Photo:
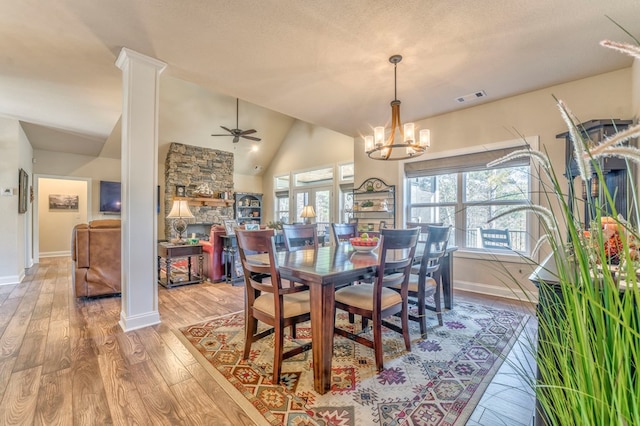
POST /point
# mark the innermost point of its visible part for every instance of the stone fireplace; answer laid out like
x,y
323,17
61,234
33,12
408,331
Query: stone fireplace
x,y
192,166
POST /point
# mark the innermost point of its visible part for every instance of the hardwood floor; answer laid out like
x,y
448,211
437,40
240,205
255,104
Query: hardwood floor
x,y
65,361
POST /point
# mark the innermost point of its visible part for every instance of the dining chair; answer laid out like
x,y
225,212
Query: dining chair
x,y
425,279
343,231
377,301
300,237
267,300
495,239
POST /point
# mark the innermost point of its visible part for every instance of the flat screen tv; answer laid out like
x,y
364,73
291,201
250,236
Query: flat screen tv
x,y
110,197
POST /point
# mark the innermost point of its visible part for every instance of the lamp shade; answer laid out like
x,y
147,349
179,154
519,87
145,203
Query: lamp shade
x,y
180,209
308,212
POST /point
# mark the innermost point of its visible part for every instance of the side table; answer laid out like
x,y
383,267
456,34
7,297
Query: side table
x,y
169,253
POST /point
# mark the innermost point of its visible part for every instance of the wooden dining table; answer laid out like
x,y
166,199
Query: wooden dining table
x,y
323,269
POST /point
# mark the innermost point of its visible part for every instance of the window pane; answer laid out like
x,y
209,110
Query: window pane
x,y
346,171
323,206
301,201
313,177
510,183
282,182
477,217
436,214
434,189
282,212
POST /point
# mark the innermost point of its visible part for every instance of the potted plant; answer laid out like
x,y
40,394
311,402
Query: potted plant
x,y
588,347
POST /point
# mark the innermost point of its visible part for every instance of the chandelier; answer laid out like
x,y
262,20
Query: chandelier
x,y
378,147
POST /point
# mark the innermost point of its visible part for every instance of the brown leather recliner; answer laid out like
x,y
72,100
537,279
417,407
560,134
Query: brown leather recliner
x,y
95,251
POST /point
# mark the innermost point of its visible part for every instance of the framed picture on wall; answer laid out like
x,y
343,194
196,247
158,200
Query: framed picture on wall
x,y
23,191
64,202
230,226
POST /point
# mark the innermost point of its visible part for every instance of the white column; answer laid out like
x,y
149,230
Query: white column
x,y
140,97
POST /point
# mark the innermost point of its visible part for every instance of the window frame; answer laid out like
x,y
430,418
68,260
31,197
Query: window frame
x,y
460,205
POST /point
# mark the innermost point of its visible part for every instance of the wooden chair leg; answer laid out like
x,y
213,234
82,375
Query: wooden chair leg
x,y
293,331
278,347
250,326
405,325
352,318
437,298
377,342
422,316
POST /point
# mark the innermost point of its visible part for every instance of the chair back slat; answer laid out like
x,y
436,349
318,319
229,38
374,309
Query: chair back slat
x,y
300,237
399,247
259,242
343,231
435,248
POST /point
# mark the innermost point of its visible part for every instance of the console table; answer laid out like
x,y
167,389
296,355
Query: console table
x,y
169,253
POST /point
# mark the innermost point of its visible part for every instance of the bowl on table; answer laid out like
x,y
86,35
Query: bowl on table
x,y
364,244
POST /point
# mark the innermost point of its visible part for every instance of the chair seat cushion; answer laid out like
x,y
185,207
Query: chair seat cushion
x,y
429,283
361,296
294,304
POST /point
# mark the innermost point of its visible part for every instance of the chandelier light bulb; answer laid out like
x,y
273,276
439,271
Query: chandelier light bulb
x,y
425,138
378,134
368,143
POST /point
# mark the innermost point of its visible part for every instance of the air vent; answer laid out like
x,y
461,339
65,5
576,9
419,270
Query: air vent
x,y
472,96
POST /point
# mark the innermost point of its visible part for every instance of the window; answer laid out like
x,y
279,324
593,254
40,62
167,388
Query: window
x,y
460,191
282,206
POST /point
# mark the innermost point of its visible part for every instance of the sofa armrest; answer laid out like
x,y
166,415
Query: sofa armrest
x,y
80,246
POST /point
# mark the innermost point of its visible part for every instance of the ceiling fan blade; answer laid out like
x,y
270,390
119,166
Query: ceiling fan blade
x,y
253,138
248,132
221,135
228,130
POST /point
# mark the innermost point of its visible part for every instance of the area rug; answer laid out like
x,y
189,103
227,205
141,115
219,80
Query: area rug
x,y
438,383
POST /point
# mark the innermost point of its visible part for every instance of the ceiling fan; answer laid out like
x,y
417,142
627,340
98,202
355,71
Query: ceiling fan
x,y
238,133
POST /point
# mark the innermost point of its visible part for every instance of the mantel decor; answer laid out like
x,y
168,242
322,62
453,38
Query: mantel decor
x,y
379,148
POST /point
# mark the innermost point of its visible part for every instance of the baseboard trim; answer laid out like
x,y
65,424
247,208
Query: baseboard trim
x,y
491,290
55,254
12,279
135,322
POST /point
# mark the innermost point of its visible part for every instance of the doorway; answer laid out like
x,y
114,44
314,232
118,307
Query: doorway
x,y
321,200
60,203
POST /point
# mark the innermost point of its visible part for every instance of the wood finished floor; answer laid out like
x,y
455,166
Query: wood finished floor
x,y
65,361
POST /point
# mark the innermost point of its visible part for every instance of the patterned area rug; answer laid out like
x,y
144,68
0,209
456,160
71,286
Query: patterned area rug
x,y
438,383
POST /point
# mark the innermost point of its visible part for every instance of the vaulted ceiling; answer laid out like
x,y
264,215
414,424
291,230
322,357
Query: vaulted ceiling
x,y
323,62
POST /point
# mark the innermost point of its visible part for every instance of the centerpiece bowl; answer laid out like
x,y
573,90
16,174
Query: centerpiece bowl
x,y
364,244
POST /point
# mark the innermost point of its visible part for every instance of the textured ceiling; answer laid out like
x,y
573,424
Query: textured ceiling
x,y
324,62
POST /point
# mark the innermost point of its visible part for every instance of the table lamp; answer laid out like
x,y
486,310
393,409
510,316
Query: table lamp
x,y
179,211
307,213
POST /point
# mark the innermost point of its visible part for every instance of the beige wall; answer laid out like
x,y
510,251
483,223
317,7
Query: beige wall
x,y
306,146
15,245
530,114
55,226
61,164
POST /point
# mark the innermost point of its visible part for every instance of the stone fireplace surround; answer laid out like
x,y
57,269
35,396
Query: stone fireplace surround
x,y
191,166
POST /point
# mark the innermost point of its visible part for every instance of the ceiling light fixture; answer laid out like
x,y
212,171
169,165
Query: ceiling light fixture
x,y
378,147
